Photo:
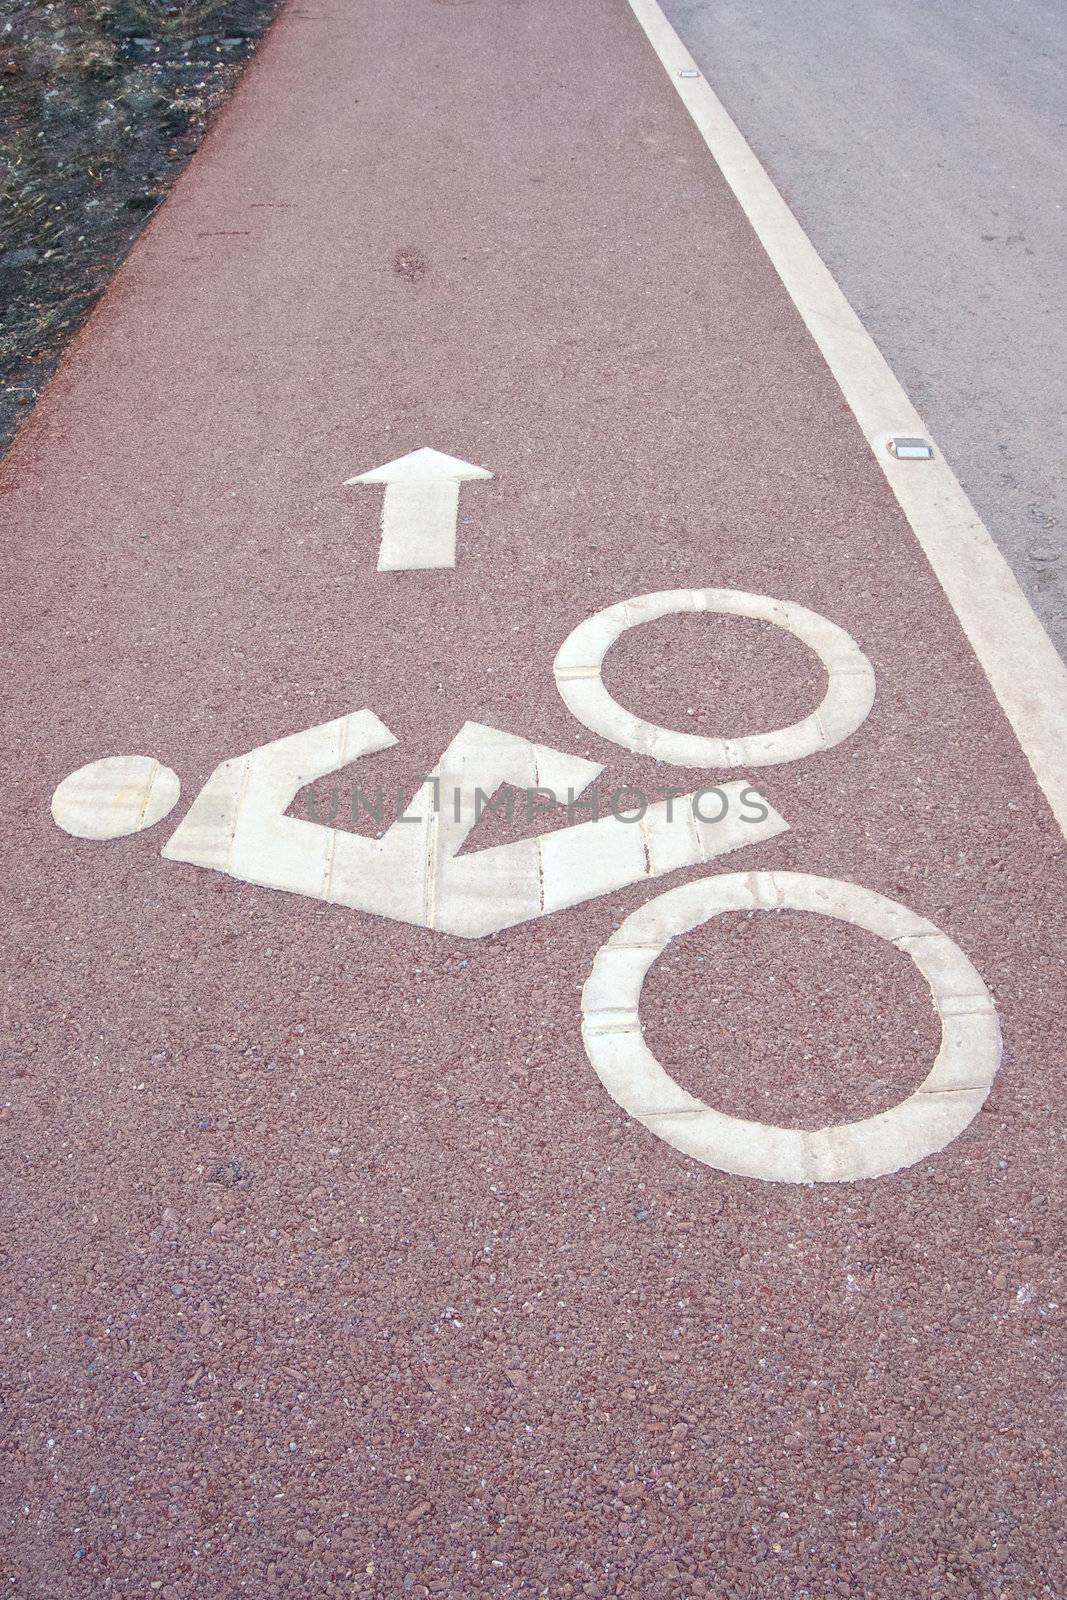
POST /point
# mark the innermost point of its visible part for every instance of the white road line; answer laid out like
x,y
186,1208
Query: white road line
x,y
1018,658
420,509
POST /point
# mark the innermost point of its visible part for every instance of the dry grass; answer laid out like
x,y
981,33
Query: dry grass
x,y
101,101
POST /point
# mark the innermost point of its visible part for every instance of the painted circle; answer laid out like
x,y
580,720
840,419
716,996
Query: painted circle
x,y
115,796
847,702
930,1118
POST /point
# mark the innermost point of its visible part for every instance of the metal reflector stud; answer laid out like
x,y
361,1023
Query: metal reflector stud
x,y
911,449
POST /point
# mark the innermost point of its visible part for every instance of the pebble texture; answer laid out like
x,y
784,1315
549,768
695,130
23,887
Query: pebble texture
x,y
330,1267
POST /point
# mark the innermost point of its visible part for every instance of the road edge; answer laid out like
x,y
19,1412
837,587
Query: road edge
x,y
1018,658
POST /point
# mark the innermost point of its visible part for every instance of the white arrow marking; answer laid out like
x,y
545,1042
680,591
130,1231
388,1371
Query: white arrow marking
x,y
420,509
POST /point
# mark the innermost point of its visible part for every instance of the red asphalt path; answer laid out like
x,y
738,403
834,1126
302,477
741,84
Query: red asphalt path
x,y
462,1326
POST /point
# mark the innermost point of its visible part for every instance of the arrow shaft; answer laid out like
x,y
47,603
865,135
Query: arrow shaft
x,y
419,525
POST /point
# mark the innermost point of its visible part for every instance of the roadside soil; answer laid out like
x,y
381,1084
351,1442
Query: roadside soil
x,y
101,106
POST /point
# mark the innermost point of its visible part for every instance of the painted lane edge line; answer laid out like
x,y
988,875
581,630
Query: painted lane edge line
x,y
1018,658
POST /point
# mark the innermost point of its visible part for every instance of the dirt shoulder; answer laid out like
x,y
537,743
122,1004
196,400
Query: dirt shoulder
x,y
101,106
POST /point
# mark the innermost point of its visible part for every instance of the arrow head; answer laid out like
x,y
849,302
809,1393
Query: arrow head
x,y
422,466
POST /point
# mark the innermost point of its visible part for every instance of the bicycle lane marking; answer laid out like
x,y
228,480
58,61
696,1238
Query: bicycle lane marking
x,y
238,825
196,583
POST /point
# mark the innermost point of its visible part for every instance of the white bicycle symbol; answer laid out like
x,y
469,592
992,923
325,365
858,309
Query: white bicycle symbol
x,y
415,873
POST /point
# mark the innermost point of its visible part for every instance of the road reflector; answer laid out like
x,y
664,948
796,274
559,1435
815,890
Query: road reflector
x,y
911,449
688,72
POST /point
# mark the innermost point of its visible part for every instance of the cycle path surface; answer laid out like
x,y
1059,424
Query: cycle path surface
x,y
337,1260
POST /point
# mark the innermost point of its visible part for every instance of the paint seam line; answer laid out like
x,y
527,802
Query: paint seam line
x,y
147,801
1019,660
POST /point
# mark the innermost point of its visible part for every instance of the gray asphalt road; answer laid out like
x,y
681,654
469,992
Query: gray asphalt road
x,y
923,146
